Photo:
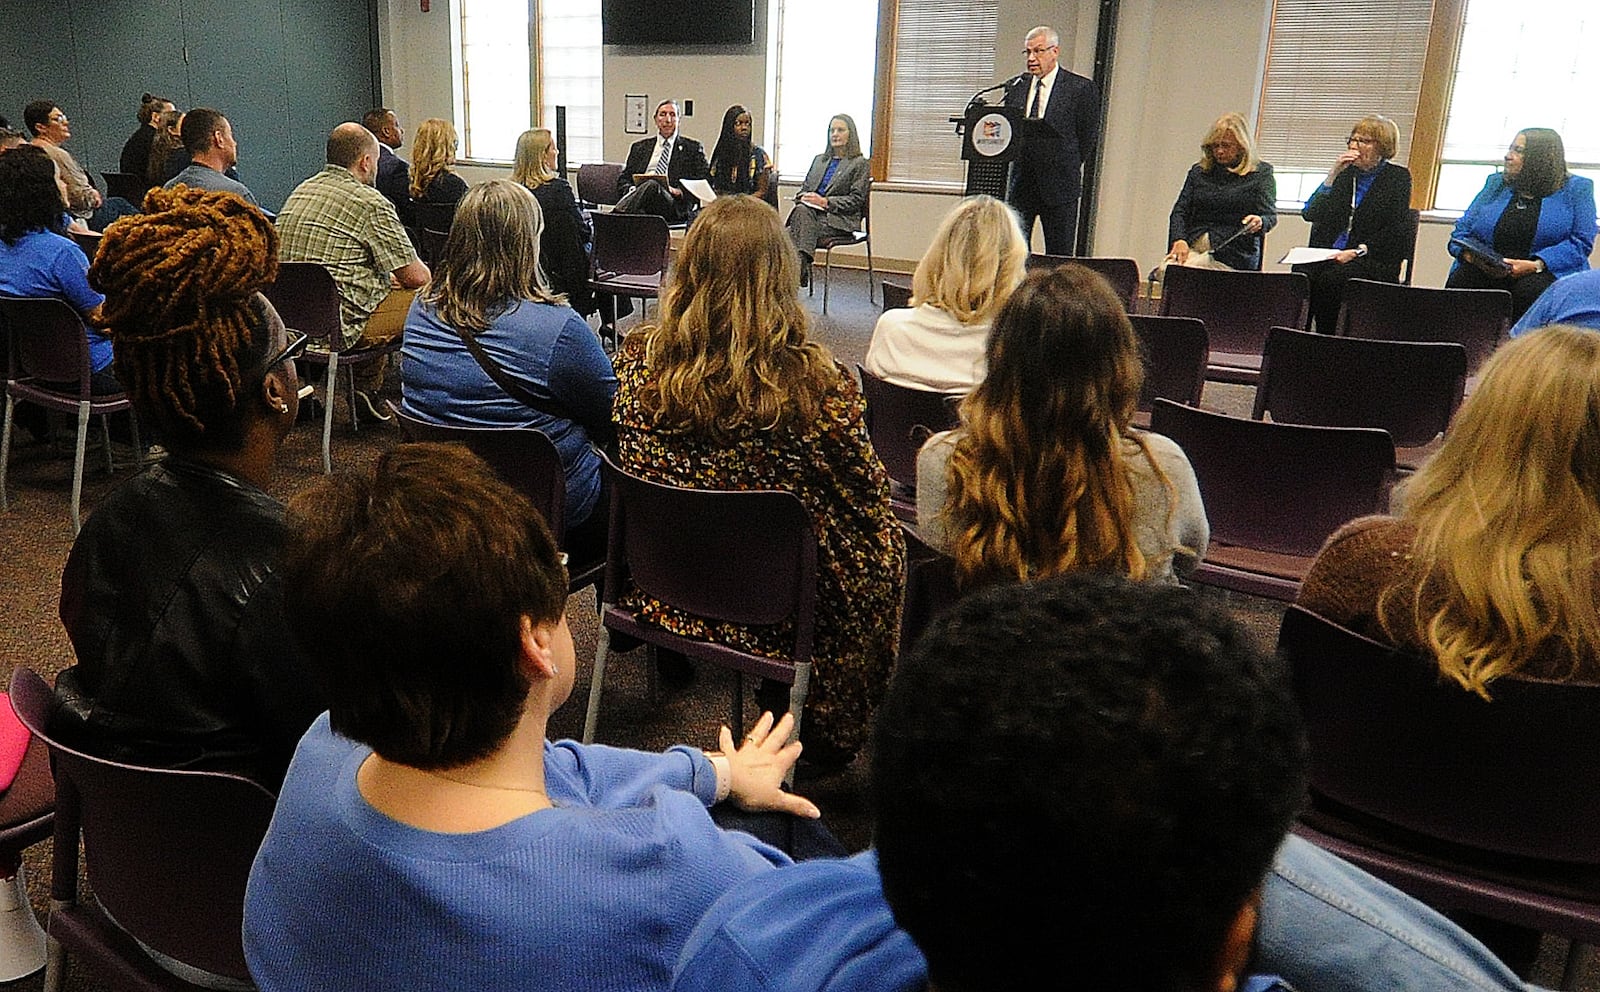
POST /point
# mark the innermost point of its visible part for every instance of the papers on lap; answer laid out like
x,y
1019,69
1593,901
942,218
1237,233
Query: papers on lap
x,y
1305,256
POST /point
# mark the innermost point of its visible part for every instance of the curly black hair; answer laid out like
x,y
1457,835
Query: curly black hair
x,y
29,198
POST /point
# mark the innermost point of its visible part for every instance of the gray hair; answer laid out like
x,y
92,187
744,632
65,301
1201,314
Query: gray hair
x,y
1047,32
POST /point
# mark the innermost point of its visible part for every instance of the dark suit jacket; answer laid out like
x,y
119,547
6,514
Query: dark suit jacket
x,y
1050,171
688,162
846,192
394,182
1382,222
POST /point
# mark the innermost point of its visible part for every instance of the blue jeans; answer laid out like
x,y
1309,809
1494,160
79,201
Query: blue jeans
x,y
1328,926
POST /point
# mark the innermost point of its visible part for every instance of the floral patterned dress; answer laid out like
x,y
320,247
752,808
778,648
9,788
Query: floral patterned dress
x,y
831,466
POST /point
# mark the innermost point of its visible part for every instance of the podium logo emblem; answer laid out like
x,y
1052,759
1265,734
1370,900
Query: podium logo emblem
x,y
992,135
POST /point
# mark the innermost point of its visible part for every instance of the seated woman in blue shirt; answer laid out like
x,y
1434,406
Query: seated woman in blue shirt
x,y
1534,214
487,284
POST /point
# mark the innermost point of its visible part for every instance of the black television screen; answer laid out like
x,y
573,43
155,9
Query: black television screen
x,y
677,22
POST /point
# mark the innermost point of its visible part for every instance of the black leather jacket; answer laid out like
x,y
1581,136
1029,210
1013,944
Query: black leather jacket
x,y
175,610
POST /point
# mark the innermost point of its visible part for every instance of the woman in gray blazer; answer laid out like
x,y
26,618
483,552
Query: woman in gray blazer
x,y
834,196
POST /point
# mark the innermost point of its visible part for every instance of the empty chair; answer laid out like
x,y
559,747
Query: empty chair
x,y
931,587
167,855
1176,351
1274,492
49,367
745,557
1477,319
899,419
128,186
896,294
1238,308
1485,806
1408,263
836,239
597,183
1409,388
630,255
1121,273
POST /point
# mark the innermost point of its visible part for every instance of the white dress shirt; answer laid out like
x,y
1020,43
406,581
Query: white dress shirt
x,y
1045,84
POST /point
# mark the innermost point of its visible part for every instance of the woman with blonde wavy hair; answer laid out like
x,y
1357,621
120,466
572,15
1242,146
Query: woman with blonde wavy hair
x,y
1490,566
726,391
433,152
978,256
568,240
1046,473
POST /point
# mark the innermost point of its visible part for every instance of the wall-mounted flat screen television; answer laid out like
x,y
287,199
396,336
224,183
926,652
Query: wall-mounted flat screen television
x,y
677,22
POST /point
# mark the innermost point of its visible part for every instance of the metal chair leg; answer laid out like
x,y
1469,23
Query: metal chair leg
x,y
827,273
601,648
77,463
330,389
5,449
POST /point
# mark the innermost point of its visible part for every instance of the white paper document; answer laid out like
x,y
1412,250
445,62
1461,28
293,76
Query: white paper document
x,y
699,189
1303,256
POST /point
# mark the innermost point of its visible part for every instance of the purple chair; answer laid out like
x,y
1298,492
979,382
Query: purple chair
x,y
1476,319
1408,263
49,367
899,419
742,557
430,244
1409,388
1237,308
526,460
27,816
88,242
896,294
128,186
931,587
1274,492
1490,807
167,854
597,183
308,301
1121,273
827,244
1176,352
630,257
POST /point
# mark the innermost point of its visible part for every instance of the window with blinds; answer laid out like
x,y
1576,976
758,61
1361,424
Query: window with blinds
x,y
943,53
570,74
1330,63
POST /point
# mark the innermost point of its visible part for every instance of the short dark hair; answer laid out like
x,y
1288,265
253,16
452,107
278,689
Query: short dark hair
x,y
376,118
1117,761
36,115
199,125
346,145
29,199
406,587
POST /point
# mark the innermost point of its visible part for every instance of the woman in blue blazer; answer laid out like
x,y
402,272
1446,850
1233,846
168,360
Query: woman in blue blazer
x,y
1535,215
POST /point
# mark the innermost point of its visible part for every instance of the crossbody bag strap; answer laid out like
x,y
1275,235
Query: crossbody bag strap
x,y
513,389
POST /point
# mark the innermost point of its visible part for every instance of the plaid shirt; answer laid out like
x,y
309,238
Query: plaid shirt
x,y
337,220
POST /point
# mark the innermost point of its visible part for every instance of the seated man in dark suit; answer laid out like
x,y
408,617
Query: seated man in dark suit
x,y
394,175
668,154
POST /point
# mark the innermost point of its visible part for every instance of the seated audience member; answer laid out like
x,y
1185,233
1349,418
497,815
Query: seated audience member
x,y
208,138
394,175
136,150
340,221
834,196
727,392
1228,189
49,129
568,242
1046,473
432,155
1372,235
977,258
738,165
10,139
1114,833
1573,300
428,834
661,164
36,256
172,594
1536,215
168,157
488,288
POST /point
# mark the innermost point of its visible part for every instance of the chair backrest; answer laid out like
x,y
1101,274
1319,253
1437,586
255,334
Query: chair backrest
x,y
128,186
1176,351
1121,273
1409,388
745,557
307,299
1408,263
1477,319
433,216
1517,774
88,242
1237,307
168,851
1278,487
896,294
899,419
524,458
48,341
430,245
630,244
597,182
931,587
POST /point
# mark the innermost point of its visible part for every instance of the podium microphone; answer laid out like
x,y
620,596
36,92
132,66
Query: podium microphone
x,y
1014,80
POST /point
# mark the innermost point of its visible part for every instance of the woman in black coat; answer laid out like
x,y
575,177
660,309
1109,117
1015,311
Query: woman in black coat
x,y
568,241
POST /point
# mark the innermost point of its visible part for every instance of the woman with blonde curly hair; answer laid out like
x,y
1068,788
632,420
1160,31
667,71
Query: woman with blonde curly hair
x,y
1490,566
1046,473
433,152
727,392
977,258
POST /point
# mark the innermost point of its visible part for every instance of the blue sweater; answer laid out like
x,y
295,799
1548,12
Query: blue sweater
x,y
46,264
1566,230
598,893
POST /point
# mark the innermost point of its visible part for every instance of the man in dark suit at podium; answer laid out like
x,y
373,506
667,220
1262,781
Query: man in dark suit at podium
x,y
1047,178
669,154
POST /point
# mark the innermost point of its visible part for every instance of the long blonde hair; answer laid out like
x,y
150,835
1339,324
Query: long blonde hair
x,y
730,349
1230,126
528,167
490,261
433,152
1038,477
1507,515
977,258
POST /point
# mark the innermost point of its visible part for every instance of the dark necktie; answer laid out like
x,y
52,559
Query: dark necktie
x,y
1038,91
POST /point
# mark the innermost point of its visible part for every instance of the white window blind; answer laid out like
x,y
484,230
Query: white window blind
x,y
827,57
494,94
570,74
943,53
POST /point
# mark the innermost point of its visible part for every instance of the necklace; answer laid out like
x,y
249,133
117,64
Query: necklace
x,y
484,785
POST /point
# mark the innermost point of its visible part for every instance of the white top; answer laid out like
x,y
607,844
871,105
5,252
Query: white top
x,y
926,348
1047,83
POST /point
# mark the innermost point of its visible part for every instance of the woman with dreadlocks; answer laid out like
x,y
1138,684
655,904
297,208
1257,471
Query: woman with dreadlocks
x,y
171,595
